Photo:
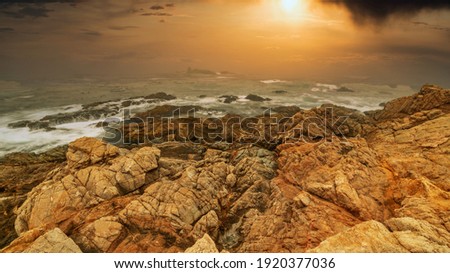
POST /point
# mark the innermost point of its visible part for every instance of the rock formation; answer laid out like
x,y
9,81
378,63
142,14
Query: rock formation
x,y
331,179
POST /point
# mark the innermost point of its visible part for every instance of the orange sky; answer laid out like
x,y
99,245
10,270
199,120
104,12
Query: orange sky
x,y
268,38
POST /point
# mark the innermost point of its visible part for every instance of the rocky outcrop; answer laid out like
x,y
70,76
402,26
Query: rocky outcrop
x,y
203,245
19,174
430,97
253,97
331,180
92,111
36,241
402,235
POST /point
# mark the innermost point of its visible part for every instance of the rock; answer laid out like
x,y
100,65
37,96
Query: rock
x,y
286,110
19,173
203,245
80,187
86,151
328,179
54,241
367,237
208,224
419,236
344,173
100,235
406,235
429,97
228,98
256,98
161,96
167,111
280,92
344,89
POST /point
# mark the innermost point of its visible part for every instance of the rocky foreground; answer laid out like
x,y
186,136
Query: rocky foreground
x,y
375,182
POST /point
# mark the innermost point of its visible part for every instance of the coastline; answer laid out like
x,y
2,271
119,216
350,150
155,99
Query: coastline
x,y
313,184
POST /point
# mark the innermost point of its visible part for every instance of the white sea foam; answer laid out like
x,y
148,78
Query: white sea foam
x,y
327,86
24,140
272,81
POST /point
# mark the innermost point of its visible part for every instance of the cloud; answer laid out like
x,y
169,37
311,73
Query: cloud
x,y
91,33
19,9
156,7
6,29
416,51
122,27
13,2
380,10
29,11
156,14
430,26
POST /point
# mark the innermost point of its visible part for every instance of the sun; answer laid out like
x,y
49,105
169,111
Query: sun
x,y
289,5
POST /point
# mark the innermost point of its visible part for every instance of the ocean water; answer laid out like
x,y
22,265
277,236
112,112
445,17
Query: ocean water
x,y
33,102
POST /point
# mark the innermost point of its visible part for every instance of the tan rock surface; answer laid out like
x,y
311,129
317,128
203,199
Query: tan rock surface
x,y
203,245
377,183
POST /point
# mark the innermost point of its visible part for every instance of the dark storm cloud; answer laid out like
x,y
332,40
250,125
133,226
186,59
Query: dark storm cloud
x,y
29,11
156,14
417,51
430,26
380,10
156,7
6,29
122,27
91,32
5,3
29,8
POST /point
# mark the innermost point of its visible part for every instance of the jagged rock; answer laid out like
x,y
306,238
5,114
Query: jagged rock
x,y
203,245
405,235
429,97
286,110
346,173
344,89
19,173
350,185
256,98
100,235
86,151
208,224
419,236
38,241
167,111
76,188
367,237
228,98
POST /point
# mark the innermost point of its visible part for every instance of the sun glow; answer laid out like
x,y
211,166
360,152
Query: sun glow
x,y
289,5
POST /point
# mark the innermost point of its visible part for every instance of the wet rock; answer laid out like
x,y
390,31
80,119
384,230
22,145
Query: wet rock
x,y
344,89
253,97
168,111
287,111
161,96
228,98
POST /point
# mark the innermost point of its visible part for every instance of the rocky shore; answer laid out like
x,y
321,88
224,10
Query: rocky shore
x,y
329,179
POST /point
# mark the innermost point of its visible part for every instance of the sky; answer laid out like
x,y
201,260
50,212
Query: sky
x,y
389,42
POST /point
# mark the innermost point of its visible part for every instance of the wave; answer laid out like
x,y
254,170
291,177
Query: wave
x,y
273,81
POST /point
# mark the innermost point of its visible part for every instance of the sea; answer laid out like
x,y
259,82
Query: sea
x,y
33,101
